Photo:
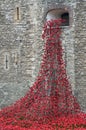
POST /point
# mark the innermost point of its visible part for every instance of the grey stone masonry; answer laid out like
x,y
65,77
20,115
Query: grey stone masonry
x,y
80,53
21,45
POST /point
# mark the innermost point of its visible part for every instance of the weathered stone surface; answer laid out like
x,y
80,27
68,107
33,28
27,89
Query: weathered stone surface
x,y
21,46
80,52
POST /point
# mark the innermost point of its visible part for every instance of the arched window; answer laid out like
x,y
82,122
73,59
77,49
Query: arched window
x,y
58,13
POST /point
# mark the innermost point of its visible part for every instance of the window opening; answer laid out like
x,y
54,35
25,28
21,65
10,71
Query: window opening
x,y
6,62
65,16
18,12
58,13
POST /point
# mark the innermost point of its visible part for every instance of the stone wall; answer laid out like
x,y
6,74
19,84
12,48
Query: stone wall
x,y
80,52
21,46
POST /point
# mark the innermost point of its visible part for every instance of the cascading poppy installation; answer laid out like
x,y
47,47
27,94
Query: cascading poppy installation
x,y
49,104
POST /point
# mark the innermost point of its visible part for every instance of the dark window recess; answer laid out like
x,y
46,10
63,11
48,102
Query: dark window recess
x,y
18,12
6,62
65,16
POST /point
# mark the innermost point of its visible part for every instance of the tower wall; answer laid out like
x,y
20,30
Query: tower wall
x,y
80,52
21,45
